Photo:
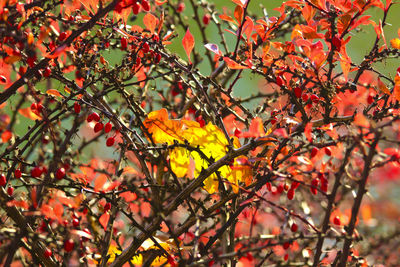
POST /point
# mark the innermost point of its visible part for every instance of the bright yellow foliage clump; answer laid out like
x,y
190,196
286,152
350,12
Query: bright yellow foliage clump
x,y
209,139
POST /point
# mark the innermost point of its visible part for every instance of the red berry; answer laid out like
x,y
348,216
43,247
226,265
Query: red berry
x,y
93,117
145,4
206,19
31,61
43,169
314,186
314,98
48,253
328,151
237,132
39,107
108,127
157,58
297,92
294,185
370,99
107,206
62,36
124,43
60,173
280,188
36,172
33,106
290,194
336,42
77,107
314,152
181,7
138,61
294,227
17,173
69,245
47,72
286,245
200,120
110,141
336,220
145,48
45,139
75,222
98,127
279,81
135,8
3,180
304,97
3,79
10,190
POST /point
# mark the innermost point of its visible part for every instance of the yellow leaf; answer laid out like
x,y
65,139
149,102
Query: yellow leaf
x,y
180,161
211,145
395,43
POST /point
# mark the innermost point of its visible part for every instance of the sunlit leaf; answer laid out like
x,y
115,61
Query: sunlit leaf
x,y
188,43
27,112
53,92
150,21
233,64
395,43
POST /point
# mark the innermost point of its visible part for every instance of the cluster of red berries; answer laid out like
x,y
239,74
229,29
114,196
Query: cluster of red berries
x,y
100,126
37,108
123,4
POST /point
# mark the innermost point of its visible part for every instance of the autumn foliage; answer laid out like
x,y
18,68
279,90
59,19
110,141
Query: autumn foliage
x,y
184,133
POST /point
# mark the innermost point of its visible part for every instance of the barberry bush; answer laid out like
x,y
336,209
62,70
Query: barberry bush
x,y
199,133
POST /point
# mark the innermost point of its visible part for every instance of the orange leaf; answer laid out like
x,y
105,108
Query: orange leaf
x,y
188,43
361,120
6,136
104,220
18,203
53,92
27,112
233,64
12,59
160,2
383,87
396,92
99,182
128,196
150,21
227,18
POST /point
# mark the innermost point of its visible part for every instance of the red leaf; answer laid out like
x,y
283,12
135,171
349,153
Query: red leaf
x,y
104,220
188,43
